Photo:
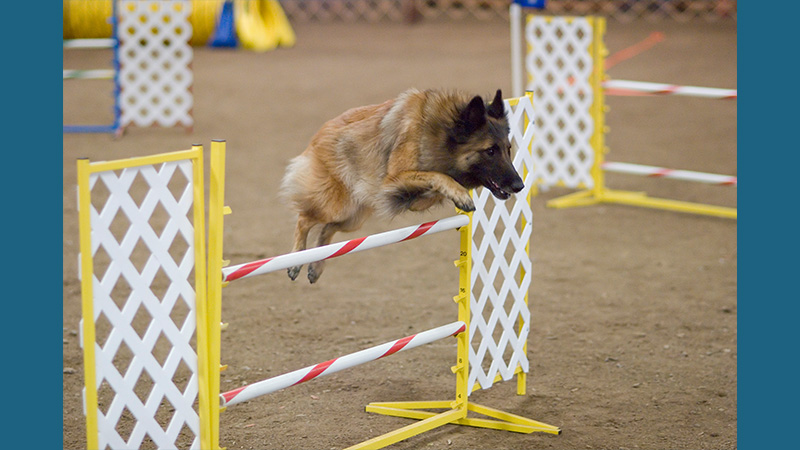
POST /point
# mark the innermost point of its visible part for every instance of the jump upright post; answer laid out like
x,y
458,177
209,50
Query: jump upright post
x,y
565,64
136,273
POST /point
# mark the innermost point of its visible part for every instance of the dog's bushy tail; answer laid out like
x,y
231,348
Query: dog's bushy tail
x,y
295,179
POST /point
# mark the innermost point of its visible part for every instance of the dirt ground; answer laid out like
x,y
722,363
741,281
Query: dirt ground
x,y
634,311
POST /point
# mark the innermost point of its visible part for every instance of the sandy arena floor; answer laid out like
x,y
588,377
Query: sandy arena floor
x,y
634,333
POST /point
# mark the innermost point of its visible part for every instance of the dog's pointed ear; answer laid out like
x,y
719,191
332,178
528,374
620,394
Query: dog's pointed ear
x,y
472,117
497,108
474,114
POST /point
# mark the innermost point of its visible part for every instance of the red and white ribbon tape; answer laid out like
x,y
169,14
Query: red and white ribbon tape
x,y
341,248
668,89
279,382
651,171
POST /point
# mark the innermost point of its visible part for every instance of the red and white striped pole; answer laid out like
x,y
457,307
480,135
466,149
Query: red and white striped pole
x,y
620,87
338,249
660,172
279,382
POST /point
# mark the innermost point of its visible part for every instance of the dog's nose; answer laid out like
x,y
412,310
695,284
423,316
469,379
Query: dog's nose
x,y
517,185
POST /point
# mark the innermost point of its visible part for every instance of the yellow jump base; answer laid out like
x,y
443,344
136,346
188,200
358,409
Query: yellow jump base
x,y
456,415
641,199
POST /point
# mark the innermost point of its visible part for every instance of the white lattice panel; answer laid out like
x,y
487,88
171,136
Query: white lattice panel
x,y
155,58
559,65
142,241
501,267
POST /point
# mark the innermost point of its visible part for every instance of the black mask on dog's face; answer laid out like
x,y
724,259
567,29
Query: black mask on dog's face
x,y
480,136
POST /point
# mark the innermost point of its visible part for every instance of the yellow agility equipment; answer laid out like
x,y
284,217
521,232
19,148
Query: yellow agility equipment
x,y
122,324
571,148
87,20
600,193
261,25
478,289
92,19
128,347
488,336
457,410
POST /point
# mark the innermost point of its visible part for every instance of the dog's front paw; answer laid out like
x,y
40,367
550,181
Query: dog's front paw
x,y
466,204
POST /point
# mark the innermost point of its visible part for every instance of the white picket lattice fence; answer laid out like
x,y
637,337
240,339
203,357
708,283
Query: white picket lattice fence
x,y
559,65
146,366
155,75
501,267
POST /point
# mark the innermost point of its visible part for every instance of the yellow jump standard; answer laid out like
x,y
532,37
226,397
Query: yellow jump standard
x,y
570,144
458,409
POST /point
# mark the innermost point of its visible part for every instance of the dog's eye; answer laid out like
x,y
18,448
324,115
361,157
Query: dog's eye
x,y
491,150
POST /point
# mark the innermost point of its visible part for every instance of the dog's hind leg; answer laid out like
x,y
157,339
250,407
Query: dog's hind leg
x,y
351,223
325,237
304,225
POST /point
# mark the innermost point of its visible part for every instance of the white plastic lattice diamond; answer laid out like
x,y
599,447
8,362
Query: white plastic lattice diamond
x,y
559,65
501,267
144,306
155,76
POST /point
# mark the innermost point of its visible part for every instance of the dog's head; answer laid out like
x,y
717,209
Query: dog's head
x,y
479,143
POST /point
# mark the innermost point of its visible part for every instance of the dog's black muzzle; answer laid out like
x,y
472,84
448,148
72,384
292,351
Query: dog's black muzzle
x,y
505,190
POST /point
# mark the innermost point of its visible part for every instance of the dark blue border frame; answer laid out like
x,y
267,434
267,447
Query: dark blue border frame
x,y
768,230
32,339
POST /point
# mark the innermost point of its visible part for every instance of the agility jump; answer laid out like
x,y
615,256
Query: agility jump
x,y
565,66
111,326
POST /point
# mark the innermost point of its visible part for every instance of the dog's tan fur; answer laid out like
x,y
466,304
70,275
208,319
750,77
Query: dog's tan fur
x,y
385,159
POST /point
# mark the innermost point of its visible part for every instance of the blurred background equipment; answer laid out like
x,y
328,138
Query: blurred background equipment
x,y
254,24
152,59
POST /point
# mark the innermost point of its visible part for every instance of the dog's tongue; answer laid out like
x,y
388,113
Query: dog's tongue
x,y
497,191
